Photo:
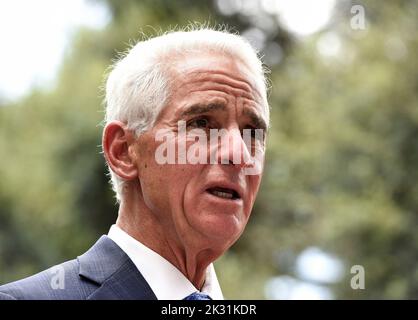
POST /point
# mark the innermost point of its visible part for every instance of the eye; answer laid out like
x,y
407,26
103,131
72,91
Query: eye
x,y
198,123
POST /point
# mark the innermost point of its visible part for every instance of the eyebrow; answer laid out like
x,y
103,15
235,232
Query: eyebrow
x,y
203,108
257,121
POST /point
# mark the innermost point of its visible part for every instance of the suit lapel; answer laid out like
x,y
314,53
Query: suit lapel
x,y
117,276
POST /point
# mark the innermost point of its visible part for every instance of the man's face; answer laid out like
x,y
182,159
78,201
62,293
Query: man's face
x,y
204,204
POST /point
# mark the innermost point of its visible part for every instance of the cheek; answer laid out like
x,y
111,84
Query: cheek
x,y
193,190
189,177
153,183
253,183
165,187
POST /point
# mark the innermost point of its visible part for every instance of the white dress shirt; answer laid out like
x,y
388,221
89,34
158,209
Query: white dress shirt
x,y
165,280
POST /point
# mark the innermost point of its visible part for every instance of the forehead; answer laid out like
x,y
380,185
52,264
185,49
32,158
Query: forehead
x,y
191,68
215,75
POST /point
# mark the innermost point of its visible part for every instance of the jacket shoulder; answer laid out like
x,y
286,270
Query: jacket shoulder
x,y
56,283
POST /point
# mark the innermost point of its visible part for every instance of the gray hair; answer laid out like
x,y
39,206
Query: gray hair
x,y
138,85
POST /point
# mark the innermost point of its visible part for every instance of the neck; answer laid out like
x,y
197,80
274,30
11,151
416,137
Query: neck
x,y
190,257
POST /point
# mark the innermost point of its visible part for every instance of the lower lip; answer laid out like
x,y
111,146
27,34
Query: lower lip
x,y
224,201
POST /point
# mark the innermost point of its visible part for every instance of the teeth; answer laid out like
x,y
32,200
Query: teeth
x,y
221,194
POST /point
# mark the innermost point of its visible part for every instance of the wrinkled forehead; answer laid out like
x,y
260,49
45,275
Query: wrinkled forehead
x,y
193,67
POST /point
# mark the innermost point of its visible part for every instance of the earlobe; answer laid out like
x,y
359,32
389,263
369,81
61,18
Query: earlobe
x,y
116,141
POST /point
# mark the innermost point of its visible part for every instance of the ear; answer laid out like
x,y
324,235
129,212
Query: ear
x,y
116,141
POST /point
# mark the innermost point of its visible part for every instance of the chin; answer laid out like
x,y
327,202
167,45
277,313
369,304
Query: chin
x,y
225,228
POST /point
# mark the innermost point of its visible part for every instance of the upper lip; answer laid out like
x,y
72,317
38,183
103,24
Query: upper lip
x,y
226,185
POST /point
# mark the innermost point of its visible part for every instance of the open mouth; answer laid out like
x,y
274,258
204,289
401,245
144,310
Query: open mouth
x,y
224,193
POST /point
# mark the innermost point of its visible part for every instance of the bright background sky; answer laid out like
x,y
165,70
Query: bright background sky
x,y
34,35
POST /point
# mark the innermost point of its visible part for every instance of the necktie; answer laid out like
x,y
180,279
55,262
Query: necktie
x,y
198,296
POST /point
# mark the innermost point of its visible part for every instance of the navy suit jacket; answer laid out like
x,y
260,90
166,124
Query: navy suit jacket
x,y
104,272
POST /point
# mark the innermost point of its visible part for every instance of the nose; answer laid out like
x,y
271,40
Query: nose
x,y
232,149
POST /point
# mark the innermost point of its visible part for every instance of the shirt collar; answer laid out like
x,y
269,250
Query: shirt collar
x,y
165,280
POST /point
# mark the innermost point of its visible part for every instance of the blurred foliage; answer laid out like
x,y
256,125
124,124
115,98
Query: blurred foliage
x,y
340,172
